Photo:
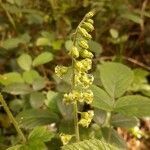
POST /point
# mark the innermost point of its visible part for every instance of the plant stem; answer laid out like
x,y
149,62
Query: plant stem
x,y
11,117
75,106
76,122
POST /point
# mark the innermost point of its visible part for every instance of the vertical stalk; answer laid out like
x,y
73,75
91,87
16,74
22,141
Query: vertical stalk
x,y
11,117
76,122
75,106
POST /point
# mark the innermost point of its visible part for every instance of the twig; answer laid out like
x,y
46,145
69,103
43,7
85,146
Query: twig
x,y
134,61
11,117
142,16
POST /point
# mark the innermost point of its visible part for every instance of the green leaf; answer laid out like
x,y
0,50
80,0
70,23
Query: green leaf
x,y
68,45
51,101
116,78
95,47
56,45
112,137
39,84
18,89
35,145
133,17
16,147
67,127
16,105
122,121
25,62
92,144
30,76
99,116
37,99
101,99
34,18
42,41
14,42
133,105
9,78
114,33
43,58
31,118
11,43
65,110
41,134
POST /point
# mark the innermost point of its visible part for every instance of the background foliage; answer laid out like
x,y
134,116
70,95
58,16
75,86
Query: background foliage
x,y
35,36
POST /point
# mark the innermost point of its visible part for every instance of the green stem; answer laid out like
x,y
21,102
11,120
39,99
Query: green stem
x,y
11,117
75,106
76,122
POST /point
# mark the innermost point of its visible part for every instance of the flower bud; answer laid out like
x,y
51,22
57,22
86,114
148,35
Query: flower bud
x,y
90,21
84,33
84,44
86,54
87,63
74,52
88,26
89,15
60,71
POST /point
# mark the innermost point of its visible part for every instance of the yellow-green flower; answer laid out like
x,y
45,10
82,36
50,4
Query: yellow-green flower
x,y
60,71
86,118
65,138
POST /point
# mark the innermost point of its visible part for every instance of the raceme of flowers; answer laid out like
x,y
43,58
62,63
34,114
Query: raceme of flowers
x,y
81,64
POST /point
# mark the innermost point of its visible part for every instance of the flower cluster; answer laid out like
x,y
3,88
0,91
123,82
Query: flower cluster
x,y
82,56
86,118
81,64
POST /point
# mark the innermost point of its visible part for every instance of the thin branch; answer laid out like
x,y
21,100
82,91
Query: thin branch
x,y
11,117
134,61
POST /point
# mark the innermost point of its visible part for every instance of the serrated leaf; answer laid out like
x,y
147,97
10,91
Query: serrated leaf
x,y
25,62
9,78
33,117
41,134
116,78
112,137
122,121
101,99
133,105
92,144
18,89
43,58
37,99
